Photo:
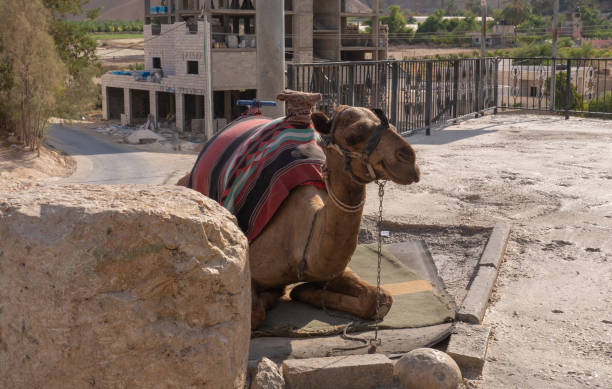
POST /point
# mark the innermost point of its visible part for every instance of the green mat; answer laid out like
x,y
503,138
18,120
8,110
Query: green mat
x,y
415,304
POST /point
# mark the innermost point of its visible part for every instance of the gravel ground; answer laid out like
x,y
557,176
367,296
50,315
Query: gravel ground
x,y
551,312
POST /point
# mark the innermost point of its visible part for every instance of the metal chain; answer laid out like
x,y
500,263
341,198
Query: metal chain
x,y
381,194
373,342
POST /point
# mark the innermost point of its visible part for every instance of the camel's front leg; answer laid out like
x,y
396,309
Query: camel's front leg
x,y
262,302
347,293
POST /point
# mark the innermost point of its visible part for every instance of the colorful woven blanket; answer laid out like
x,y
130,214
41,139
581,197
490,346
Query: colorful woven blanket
x,y
252,166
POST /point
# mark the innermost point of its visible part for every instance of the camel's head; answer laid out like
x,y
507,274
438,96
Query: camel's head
x,y
366,136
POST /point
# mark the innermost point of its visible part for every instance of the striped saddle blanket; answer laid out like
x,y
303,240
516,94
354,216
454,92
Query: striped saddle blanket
x,y
253,164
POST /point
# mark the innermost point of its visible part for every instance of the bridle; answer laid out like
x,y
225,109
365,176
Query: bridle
x,y
347,156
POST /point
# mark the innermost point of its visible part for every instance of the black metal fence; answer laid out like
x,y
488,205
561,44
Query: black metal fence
x,y
421,94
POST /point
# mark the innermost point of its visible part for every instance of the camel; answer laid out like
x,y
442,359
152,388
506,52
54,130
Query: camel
x,y
312,236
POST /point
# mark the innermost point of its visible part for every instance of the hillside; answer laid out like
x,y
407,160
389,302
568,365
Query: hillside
x,y
127,10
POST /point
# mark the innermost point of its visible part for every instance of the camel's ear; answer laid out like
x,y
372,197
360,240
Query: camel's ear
x,y
321,122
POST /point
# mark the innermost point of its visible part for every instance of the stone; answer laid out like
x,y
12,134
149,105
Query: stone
x,y
496,246
468,347
143,137
348,372
121,287
474,305
426,368
267,376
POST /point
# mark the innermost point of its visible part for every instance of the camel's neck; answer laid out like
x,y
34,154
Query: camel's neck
x,y
340,228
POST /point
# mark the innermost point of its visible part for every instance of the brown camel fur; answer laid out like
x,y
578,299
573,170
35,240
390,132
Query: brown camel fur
x,y
310,226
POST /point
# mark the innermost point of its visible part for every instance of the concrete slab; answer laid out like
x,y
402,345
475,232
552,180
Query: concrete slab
x,y
474,306
349,372
468,347
392,342
496,246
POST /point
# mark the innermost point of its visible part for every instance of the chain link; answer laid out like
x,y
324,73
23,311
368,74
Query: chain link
x,y
381,194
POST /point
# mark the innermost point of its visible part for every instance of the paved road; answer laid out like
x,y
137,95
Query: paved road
x,y
99,161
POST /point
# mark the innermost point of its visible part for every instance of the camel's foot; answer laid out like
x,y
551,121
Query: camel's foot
x,y
347,293
262,302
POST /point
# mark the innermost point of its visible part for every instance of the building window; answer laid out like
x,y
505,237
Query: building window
x,y
192,67
533,91
156,63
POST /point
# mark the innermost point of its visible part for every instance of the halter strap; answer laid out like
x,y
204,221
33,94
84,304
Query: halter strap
x,y
371,144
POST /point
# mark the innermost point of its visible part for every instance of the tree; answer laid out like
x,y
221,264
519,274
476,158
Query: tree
x,y
37,73
516,12
450,6
397,24
575,98
77,49
473,6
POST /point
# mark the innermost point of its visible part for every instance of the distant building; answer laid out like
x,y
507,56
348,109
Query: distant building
x,y
172,87
499,35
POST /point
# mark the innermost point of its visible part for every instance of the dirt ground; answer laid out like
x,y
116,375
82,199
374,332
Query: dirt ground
x,y
120,53
20,169
399,52
551,312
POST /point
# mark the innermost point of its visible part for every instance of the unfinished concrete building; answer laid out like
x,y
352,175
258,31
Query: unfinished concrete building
x,y
172,88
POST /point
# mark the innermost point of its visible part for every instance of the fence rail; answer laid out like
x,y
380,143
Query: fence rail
x,y
421,94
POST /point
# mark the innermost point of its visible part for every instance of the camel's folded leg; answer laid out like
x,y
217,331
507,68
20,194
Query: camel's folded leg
x,y
347,293
261,302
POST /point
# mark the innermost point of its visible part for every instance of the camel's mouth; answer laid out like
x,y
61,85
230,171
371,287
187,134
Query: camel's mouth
x,y
409,174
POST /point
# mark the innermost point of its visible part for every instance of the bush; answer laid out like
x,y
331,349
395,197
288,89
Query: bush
x,y
602,104
576,98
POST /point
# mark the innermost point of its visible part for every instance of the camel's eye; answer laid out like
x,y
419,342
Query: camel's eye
x,y
354,139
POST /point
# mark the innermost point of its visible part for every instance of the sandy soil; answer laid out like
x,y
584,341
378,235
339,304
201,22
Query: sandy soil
x,y
20,169
551,312
120,53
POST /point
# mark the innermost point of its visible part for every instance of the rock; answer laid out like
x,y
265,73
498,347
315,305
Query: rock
x,y
121,287
426,368
143,136
468,345
267,376
347,372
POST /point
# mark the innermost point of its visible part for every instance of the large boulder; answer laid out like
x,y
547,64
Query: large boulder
x,y
121,287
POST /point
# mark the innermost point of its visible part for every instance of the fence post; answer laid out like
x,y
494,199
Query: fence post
x,y
428,96
290,77
496,86
352,84
553,85
477,88
568,88
394,91
455,89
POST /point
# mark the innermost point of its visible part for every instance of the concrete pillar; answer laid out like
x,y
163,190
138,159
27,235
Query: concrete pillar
x,y
227,103
180,112
127,104
376,27
153,106
270,30
302,31
105,113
